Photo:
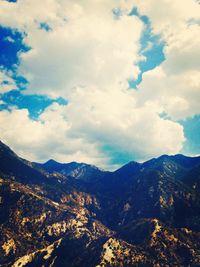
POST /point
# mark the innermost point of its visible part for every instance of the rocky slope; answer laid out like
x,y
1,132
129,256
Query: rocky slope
x,y
144,214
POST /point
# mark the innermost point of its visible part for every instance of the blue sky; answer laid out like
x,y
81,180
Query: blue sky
x,y
154,55
11,43
99,96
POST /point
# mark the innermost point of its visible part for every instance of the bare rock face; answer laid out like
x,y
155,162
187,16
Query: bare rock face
x,y
76,215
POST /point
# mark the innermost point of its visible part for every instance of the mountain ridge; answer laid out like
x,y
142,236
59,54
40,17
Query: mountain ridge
x,y
143,214
189,161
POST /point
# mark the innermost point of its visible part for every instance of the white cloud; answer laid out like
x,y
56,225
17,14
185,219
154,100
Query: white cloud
x,y
177,94
80,130
84,47
6,82
112,117
175,85
183,52
38,140
169,17
9,39
87,58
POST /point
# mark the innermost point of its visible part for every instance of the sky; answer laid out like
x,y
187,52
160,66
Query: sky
x,y
103,82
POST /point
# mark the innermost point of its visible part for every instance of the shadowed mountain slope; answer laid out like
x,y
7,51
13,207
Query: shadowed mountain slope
x,y
74,214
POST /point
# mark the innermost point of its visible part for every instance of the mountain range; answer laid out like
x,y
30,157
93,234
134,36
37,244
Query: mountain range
x,y
77,215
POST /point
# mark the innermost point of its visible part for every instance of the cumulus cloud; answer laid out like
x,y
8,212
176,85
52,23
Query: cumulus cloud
x,y
169,17
87,56
82,53
175,84
80,130
113,117
86,43
49,135
178,94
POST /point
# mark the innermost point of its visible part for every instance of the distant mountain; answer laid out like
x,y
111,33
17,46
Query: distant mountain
x,y
74,214
176,165
80,171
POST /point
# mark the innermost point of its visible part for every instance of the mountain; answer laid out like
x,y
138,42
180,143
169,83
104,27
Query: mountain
x,y
74,214
79,171
16,168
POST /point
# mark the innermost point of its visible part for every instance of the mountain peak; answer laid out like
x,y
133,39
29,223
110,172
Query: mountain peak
x,y
51,162
74,210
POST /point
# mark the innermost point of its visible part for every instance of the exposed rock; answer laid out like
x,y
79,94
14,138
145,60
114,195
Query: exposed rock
x,y
57,215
